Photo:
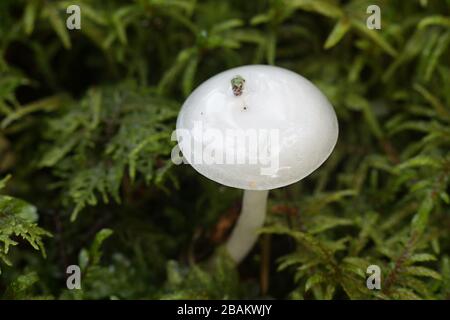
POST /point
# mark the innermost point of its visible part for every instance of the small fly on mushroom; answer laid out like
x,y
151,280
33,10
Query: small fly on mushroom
x,y
237,84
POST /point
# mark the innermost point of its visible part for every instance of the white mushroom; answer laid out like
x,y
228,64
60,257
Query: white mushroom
x,y
256,128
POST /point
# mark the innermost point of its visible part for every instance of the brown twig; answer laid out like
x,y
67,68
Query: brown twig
x,y
399,263
390,151
265,263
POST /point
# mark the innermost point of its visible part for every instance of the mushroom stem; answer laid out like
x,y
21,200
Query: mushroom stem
x,y
244,234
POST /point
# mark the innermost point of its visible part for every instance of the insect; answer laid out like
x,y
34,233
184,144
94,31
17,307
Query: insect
x,y
237,84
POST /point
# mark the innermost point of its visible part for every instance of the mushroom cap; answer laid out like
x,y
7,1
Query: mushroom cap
x,y
295,125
